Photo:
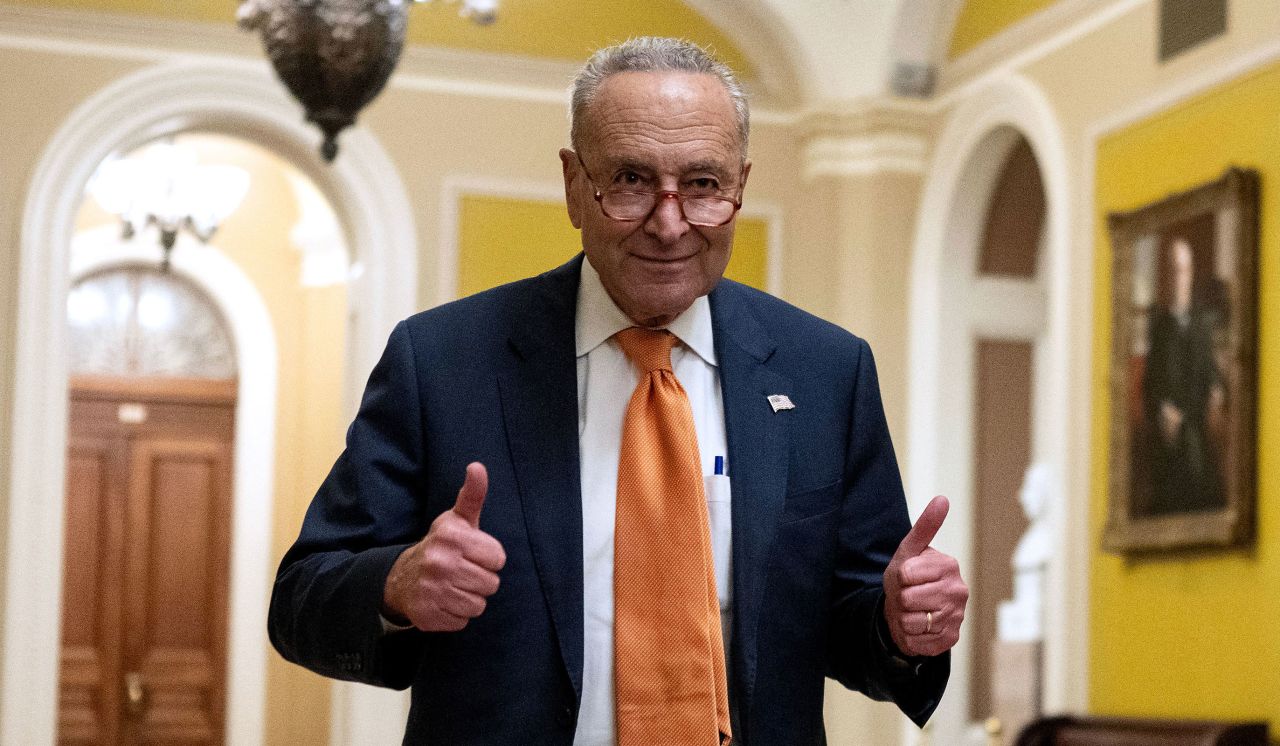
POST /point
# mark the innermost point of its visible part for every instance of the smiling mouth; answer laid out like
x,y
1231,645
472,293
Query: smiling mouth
x,y
662,259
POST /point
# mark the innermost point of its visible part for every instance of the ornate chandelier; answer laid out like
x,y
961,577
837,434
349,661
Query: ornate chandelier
x,y
164,186
335,56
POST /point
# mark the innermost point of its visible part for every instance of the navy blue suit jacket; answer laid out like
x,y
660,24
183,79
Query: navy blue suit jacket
x,y
817,507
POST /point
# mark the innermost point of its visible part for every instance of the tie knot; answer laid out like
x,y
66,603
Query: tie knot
x,y
648,348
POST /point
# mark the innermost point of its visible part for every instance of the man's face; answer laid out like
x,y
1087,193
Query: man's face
x,y
1183,273
655,131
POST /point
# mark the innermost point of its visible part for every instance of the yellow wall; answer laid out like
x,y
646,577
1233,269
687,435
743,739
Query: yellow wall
x,y
1192,634
749,263
980,20
559,29
502,240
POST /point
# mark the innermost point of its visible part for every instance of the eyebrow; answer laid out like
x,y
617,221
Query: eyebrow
x,y
630,165
704,166
708,166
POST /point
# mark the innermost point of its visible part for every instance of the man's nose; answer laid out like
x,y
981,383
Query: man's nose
x,y
666,223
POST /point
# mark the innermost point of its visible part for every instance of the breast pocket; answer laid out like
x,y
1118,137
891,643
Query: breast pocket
x,y
812,501
718,515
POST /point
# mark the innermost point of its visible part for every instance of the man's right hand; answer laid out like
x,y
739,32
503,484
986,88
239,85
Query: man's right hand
x,y
443,581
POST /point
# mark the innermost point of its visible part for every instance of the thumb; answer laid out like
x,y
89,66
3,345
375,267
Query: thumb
x,y
471,496
918,538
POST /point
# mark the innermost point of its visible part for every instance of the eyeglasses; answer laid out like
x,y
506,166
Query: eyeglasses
x,y
627,205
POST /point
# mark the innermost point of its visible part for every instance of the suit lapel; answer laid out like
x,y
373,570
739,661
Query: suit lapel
x,y
540,409
758,448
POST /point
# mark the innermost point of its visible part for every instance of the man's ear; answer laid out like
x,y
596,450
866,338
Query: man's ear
x,y
746,171
569,164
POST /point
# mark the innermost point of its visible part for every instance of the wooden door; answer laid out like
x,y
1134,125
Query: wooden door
x,y
146,561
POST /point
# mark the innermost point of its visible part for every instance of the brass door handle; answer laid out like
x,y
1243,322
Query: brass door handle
x,y
995,731
135,693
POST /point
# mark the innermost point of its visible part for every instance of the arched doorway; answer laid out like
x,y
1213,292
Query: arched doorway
x,y
1003,359
285,243
147,543
989,333
204,95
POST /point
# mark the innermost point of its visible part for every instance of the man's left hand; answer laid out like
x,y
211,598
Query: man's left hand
x,y
924,595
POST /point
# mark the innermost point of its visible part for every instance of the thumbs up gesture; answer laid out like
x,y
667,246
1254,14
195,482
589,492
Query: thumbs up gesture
x,y
924,595
444,581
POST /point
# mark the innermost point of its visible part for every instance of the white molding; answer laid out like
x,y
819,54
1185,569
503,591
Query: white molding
x,y
965,166
863,155
1029,40
96,33
452,72
1006,308
253,485
1197,79
457,186
212,95
1197,82
864,137
765,39
150,40
421,68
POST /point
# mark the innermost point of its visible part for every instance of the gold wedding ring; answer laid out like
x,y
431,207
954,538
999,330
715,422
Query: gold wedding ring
x,y
928,622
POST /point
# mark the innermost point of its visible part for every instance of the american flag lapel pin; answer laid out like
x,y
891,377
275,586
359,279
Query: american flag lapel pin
x,y
780,402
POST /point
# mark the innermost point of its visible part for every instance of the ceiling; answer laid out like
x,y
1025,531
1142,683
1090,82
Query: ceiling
x,y
797,51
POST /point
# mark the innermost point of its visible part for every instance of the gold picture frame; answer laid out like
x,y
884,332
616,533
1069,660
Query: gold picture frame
x,y
1184,369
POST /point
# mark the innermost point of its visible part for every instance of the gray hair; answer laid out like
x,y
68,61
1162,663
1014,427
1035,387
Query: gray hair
x,y
653,54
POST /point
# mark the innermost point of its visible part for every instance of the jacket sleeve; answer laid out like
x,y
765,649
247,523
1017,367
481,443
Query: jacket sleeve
x,y
873,522
325,606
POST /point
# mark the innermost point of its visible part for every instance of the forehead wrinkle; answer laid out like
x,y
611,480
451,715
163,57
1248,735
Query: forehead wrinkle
x,y
673,162
663,109
642,134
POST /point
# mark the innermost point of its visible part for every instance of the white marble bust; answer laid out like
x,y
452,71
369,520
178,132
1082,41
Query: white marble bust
x,y
1020,619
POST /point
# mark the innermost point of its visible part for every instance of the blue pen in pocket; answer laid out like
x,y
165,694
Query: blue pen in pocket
x,y
718,514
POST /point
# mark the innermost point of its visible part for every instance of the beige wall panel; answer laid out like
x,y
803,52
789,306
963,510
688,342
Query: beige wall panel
x,y
434,138
1123,54
851,266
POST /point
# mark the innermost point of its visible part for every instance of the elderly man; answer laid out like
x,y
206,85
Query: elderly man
x,y
680,509
1182,393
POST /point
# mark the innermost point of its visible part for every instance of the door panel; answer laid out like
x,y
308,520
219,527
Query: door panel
x,y
176,586
147,556
91,621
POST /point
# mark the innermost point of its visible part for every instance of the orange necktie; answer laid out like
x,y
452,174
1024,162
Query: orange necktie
x,y
668,652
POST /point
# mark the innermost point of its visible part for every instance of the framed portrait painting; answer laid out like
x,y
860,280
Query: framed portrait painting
x,y
1184,369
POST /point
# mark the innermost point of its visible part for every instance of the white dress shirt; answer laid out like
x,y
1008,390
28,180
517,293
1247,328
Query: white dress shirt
x,y
606,380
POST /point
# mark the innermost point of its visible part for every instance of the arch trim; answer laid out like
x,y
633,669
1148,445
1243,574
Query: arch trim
x,y
194,93
976,135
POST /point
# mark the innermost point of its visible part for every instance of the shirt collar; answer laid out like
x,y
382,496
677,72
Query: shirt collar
x,y
599,318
